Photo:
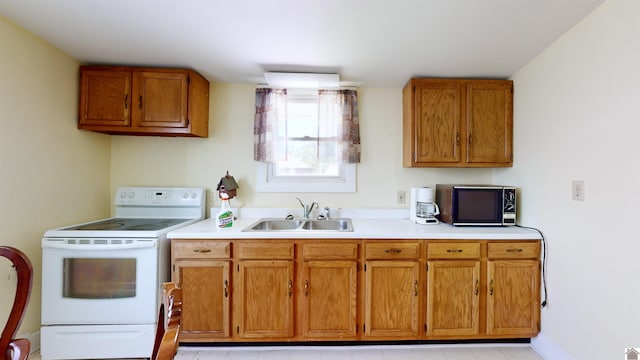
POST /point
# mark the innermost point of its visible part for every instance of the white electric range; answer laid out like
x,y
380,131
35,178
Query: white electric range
x,y
101,280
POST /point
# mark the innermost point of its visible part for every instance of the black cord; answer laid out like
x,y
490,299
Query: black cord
x,y
544,263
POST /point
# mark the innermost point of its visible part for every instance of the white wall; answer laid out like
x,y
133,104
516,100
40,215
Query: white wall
x,y
52,173
202,162
577,117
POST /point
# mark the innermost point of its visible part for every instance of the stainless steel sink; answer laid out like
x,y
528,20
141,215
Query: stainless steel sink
x,y
328,225
300,225
275,225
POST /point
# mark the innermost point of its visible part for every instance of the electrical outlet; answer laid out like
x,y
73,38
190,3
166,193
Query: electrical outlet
x,y
577,190
402,198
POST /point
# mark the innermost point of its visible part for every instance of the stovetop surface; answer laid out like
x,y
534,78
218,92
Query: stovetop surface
x,y
127,224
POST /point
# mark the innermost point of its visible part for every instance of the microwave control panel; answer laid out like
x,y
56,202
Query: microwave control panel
x,y
509,206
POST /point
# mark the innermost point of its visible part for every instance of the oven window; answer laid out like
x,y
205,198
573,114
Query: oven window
x,y
100,278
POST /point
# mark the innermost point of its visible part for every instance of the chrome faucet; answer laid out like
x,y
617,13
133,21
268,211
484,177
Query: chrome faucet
x,y
306,208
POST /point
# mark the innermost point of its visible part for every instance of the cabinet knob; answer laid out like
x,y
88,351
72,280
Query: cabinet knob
x,y
226,288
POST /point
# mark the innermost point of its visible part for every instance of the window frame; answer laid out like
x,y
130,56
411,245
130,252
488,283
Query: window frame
x,y
267,181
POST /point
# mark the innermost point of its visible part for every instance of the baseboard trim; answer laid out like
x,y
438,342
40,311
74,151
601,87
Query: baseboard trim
x,y
548,349
34,339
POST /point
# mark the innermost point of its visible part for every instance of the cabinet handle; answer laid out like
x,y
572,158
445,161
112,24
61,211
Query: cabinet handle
x,y
393,251
491,288
415,287
290,288
306,288
457,138
226,288
454,250
477,282
126,101
514,250
204,251
469,140
140,102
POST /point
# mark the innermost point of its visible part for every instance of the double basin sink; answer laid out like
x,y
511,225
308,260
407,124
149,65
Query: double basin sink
x,y
300,225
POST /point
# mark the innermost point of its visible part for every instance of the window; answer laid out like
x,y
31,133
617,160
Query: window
x,y
303,141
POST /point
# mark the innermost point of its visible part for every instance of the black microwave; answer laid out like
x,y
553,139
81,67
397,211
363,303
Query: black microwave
x,y
476,205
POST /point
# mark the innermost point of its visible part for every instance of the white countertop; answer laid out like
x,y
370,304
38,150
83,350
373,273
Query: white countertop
x,y
366,225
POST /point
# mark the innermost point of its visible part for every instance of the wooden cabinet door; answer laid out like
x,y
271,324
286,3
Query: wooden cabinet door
x,y
453,297
438,117
391,299
105,98
489,122
161,99
265,299
330,289
513,297
206,288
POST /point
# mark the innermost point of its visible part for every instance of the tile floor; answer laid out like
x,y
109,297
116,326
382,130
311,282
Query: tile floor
x,y
422,352
405,352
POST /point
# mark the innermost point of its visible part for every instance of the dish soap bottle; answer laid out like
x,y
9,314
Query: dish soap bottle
x,y
224,218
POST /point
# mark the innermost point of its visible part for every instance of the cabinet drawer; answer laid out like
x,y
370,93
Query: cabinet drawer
x,y
265,250
392,250
185,249
529,250
453,250
330,251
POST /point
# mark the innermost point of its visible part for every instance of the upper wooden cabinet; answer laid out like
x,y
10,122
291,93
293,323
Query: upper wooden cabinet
x,y
458,123
143,101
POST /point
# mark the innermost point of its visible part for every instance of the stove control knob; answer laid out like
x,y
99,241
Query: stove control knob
x,y
185,196
131,194
194,195
123,195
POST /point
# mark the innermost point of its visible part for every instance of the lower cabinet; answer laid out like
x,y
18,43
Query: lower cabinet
x,y
357,290
264,290
329,291
513,295
392,290
453,289
203,270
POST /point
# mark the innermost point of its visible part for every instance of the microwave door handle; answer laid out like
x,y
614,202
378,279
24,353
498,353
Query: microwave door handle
x,y
137,245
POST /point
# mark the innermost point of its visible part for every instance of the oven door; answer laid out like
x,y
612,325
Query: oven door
x,y
99,281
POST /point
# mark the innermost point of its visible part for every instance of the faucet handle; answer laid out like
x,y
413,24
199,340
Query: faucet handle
x,y
325,213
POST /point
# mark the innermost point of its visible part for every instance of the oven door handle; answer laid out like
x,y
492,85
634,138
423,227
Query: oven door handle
x,y
137,245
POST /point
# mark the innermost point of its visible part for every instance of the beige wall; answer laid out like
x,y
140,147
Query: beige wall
x,y
577,118
202,162
52,173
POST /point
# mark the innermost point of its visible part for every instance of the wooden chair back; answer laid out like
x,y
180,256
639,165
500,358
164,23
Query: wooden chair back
x,y
11,348
169,322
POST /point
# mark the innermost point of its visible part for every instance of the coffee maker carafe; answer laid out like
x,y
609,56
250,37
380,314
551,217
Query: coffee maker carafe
x,y
423,208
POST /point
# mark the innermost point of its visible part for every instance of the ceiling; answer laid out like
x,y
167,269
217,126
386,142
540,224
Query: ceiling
x,y
370,43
